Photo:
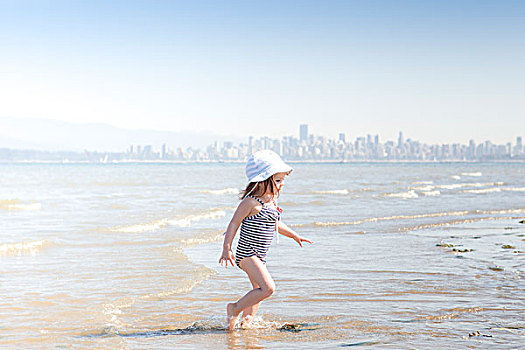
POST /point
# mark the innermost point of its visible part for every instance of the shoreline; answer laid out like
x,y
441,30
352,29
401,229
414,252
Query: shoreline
x,y
158,161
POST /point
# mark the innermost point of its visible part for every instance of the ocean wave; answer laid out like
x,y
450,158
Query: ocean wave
x,y
476,174
139,228
469,184
23,248
182,222
407,195
514,189
229,190
418,216
456,177
500,211
456,222
187,221
394,217
449,314
485,190
199,275
16,204
431,193
203,239
422,182
495,189
339,192
423,188
113,310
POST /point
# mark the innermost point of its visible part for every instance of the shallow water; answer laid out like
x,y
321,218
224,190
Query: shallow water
x,y
125,256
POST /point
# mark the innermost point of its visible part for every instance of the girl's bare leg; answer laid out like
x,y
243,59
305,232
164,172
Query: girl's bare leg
x,y
260,277
249,313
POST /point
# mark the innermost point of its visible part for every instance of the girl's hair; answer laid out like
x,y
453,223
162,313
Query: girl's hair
x,y
258,189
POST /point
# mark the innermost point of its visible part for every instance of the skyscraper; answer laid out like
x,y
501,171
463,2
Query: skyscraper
x,y
471,149
400,139
250,145
303,132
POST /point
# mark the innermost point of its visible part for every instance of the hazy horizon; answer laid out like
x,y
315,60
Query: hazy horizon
x,y
441,72
55,135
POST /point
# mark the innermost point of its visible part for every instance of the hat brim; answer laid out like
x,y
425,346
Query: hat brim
x,y
284,168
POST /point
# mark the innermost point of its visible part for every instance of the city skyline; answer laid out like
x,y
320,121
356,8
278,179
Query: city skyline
x,y
100,136
445,71
304,146
314,147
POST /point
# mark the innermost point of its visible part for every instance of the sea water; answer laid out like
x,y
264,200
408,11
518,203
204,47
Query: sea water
x,y
125,256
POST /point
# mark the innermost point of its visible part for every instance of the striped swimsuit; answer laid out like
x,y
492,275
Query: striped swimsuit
x,y
257,233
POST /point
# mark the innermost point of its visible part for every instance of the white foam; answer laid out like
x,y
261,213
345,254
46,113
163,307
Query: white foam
x,y
430,215
187,221
513,189
502,211
407,195
338,192
476,174
200,274
23,248
431,193
423,188
451,187
224,191
456,177
32,206
469,184
182,222
139,228
15,204
394,217
496,189
334,223
485,190
423,182
209,238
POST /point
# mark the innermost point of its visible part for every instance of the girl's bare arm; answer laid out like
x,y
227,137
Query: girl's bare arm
x,y
288,232
244,209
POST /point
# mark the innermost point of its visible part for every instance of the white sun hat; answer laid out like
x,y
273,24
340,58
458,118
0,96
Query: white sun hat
x,y
263,164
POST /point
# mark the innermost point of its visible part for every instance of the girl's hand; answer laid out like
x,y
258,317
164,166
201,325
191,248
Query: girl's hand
x,y
227,256
300,240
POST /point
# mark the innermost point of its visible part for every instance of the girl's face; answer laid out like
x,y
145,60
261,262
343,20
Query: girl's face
x,y
278,179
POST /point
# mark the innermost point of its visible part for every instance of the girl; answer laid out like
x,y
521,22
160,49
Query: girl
x,y
259,217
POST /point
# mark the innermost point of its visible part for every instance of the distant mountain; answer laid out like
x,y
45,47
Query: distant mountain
x,y
53,135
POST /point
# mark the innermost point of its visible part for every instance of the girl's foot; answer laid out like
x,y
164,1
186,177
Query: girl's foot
x,y
246,322
232,317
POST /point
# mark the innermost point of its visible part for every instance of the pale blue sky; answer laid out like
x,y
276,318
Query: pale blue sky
x,y
440,71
